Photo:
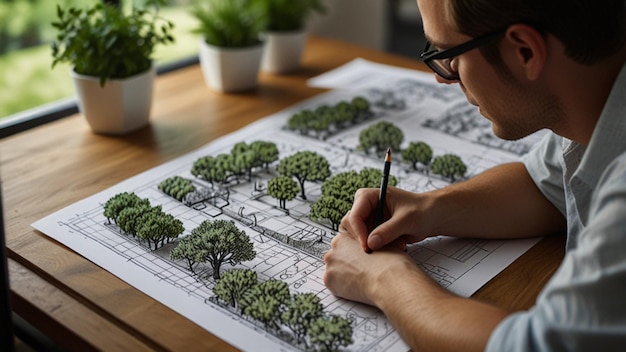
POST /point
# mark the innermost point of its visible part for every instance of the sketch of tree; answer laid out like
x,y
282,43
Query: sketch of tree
x,y
239,148
344,114
361,105
265,153
177,187
215,242
186,250
243,160
300,121
305,166
330,208
233,284
136,217
214,169
225,165
283,188
370,178
263,301
329,333
300,312
205,169
158,228
326,118
342,185
338,194
449,165
417,152
121,201
129,219
380,136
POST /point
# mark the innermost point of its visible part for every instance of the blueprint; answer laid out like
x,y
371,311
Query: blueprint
x,y
289,246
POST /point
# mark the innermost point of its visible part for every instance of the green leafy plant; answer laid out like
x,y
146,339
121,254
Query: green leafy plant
x,y
230,23
450,166
290,15
305,166
106,42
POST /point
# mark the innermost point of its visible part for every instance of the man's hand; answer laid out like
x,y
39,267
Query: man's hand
x,y
403,211
350,272
427,316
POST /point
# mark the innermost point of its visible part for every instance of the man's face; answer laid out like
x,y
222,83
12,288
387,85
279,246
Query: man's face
x,y
515,107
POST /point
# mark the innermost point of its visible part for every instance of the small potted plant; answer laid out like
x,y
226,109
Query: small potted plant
x,y
110,53
230,44
286,34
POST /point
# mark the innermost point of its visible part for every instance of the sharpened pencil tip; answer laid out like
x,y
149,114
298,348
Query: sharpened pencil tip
x,y
388,155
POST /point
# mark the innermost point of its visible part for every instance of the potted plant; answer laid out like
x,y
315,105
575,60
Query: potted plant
x,y
110,53
230,45
286,35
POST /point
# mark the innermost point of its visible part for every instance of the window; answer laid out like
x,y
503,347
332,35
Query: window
x,y
31,91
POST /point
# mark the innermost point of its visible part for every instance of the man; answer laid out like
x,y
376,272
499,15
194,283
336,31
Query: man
x,y
527,65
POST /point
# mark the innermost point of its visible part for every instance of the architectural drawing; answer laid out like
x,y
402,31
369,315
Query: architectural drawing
x,y
289,245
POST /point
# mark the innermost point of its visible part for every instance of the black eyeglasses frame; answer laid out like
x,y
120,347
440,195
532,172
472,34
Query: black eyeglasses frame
x,y
429,56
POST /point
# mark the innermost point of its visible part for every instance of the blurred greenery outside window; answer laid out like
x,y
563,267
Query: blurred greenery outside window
x,y
28,84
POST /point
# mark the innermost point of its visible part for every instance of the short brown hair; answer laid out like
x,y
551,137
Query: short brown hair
x,y
590,30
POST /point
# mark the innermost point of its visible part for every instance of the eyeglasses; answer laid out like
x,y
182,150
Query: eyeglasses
x,y
440,61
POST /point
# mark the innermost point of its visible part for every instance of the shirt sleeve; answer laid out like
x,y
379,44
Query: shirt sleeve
x,y
583,307
545,167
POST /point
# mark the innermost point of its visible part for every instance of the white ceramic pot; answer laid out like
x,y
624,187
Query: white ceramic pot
x,y
118,107
283,51
230,70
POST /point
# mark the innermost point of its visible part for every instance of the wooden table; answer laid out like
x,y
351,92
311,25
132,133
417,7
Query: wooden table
x,y
81,306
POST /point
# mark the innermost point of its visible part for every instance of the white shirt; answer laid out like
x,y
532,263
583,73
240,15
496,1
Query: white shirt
x,y
583,306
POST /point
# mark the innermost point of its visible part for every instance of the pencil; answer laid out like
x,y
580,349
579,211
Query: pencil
x,y
383,190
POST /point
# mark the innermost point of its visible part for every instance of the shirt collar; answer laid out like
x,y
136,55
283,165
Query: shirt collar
x,y
609,136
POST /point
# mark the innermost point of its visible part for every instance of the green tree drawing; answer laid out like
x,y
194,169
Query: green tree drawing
x,y
283,188
205,169
338,194
345,113
265,153
263,301
300,312
187,251
327,114
301,121
239,148
305,166
325,118
219,242
214,169
177,187
330,208
380,136
129,219
158,228
243,160
360,104
342,185
450,166
121,201
417,152
370,178
225,167
329,333
233,284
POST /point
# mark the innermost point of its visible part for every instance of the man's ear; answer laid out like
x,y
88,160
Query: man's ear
x,y
529,47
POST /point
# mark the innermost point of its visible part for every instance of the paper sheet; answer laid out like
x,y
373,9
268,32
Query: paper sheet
x,y
424,110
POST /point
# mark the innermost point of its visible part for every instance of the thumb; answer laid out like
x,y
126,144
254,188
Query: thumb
x,y
384,234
